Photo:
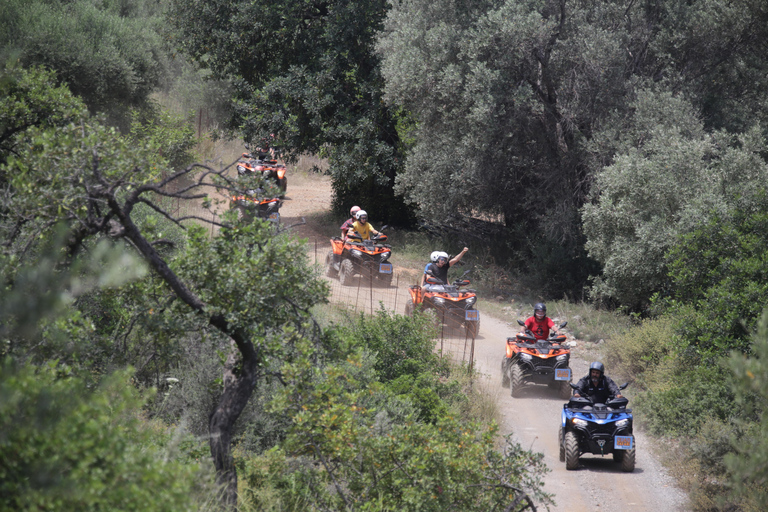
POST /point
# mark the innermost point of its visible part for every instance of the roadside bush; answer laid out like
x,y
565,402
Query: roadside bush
x,y
641,349
679,404
403,345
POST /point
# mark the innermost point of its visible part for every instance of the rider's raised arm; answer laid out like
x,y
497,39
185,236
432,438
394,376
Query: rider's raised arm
x,y
458,257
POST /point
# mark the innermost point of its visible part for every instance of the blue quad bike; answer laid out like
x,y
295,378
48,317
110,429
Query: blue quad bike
x,y
599,429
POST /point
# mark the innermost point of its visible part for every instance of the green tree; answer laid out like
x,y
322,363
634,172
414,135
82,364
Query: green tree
x,y
748,461
66,447
247,286
31,98
720,280
669,179
306,72
111,54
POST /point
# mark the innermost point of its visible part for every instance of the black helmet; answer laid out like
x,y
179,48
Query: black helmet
x,y
540,306
597,366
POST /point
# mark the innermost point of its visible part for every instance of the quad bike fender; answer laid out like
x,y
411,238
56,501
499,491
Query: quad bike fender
x,y
337,245
510,347
417,296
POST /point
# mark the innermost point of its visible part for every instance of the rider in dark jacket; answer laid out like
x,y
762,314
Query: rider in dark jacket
x,y
598,386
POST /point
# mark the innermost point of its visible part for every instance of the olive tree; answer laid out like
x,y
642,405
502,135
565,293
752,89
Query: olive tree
x,y
669,177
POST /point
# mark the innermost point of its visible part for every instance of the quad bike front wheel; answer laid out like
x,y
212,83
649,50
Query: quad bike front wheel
x,y
515,380
560,443
346,272
385,280
329,270
571,451
628,460
409,307
565,390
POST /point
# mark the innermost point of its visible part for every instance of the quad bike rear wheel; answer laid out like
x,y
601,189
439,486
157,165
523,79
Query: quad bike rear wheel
x,y
571,451
515,380
346,272
329,270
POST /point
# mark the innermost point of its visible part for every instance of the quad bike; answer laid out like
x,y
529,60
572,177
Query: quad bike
x,y
599,429
450,303
250,205
529,360
354,256
250,164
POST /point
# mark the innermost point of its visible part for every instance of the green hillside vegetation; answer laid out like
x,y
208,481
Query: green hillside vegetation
x,y
610,153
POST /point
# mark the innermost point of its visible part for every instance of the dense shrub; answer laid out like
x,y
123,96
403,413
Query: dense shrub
x,y
65,447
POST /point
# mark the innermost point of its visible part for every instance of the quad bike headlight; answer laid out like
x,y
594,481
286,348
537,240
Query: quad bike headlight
x,y
526,357
439,300
471,300
356,253
385,256
622,423
562,358
580,422
240,169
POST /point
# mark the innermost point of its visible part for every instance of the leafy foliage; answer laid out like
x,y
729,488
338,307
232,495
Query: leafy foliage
x,y
31,98
748,462
109,53
305,72
66,447
664,187
719,278
366,461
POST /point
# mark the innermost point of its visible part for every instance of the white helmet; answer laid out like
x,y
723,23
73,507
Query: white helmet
x,y
360,214
436,255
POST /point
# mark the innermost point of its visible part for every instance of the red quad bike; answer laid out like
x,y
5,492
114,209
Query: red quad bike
x,y
269,169
450,304
529,360
354,256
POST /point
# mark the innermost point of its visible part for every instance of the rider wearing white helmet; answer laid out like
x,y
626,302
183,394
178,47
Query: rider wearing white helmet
x,y
361,228
439,265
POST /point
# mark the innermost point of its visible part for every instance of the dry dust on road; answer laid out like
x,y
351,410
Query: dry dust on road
x,y
533,418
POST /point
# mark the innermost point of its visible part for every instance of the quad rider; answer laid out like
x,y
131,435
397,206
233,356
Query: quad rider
x,y
348,223
361,228
439,265
539,324
597,386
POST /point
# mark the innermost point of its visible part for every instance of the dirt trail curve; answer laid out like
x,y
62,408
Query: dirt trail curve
x,y
598,484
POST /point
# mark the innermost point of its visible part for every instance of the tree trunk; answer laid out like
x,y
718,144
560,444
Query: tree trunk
x,y
237,391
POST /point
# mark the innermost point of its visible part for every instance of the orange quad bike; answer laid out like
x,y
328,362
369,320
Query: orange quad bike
x,y
251,204
250,164
366,258
529,360
451,304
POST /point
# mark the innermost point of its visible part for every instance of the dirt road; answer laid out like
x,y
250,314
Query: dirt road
x,y
598,484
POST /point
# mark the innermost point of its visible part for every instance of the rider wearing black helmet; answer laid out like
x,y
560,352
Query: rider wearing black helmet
x,y
598,386
539,324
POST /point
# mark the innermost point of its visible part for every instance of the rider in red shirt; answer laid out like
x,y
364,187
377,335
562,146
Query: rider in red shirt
x,y
540,324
